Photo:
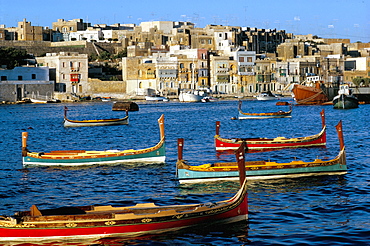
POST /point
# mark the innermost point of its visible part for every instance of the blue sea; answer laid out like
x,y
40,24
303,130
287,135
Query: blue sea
x,y
320,210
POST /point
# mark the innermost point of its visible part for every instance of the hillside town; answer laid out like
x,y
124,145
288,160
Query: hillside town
x,y
75,60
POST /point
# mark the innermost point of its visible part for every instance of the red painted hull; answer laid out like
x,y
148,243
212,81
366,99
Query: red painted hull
x,y
267,144
99,222
256,145
21,234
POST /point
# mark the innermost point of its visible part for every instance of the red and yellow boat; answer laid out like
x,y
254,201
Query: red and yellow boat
x,y
94,222
267,144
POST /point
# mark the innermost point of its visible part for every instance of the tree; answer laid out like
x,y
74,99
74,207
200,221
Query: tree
x,y
12,57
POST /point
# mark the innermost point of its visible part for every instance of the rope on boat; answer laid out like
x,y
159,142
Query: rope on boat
x,y
309,98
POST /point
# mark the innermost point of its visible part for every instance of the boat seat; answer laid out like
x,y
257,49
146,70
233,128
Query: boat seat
x,y
35,211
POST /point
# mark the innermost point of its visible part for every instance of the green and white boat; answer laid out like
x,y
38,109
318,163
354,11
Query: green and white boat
x,y
155,154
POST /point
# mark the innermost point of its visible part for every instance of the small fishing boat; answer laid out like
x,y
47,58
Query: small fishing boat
x,y
99,122
155,154
278,114
263,169
156,98
94,222
267,96
345,99
267,144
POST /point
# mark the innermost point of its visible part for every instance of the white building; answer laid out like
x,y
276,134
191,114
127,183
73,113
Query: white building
x,y
70,71
25,82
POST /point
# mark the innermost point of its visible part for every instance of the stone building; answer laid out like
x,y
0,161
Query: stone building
x,y
70,72
25,82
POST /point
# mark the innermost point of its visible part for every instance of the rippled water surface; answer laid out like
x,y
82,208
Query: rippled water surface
x,y
322,210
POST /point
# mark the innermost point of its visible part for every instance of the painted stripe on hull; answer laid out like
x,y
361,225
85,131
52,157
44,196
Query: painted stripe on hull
x,y
228,146
242,117
157,156
160,159
185,175
238,212
201,180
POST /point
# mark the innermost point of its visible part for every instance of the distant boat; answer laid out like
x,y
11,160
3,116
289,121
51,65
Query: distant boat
x,y
345,99
262,169
209,99
99,122
191,96
279,114
94,222
267,96
156,98
267,144
155,154
106,99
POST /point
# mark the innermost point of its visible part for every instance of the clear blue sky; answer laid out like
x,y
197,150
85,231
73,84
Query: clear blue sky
x,y
325,18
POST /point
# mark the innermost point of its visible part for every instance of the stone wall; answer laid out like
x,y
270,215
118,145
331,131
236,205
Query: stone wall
x,y
100,88
39,48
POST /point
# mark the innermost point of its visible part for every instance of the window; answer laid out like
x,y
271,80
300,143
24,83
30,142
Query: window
x,y
3,78
249,59
241,59
20,77
33,76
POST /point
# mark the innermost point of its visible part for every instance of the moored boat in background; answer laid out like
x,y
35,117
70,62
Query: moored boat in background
x,y
155,154
99,122
345,99
267,144
279,114
263,169
267,96
156,98
192,95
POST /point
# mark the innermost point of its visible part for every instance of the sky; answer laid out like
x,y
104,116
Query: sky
x,y
324,18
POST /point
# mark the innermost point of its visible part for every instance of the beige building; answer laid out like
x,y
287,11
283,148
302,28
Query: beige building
x,y
27,32
74,25
70,72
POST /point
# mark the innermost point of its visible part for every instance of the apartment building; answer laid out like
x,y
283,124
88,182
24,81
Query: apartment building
x,y
70,72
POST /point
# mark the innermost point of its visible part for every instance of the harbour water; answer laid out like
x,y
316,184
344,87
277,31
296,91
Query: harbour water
x,y
321,210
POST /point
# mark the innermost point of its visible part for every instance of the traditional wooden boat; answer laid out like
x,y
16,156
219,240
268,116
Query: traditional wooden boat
x,y
71,223
156,154
345,99
309,95
278,114
267,144
263,169
100,122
